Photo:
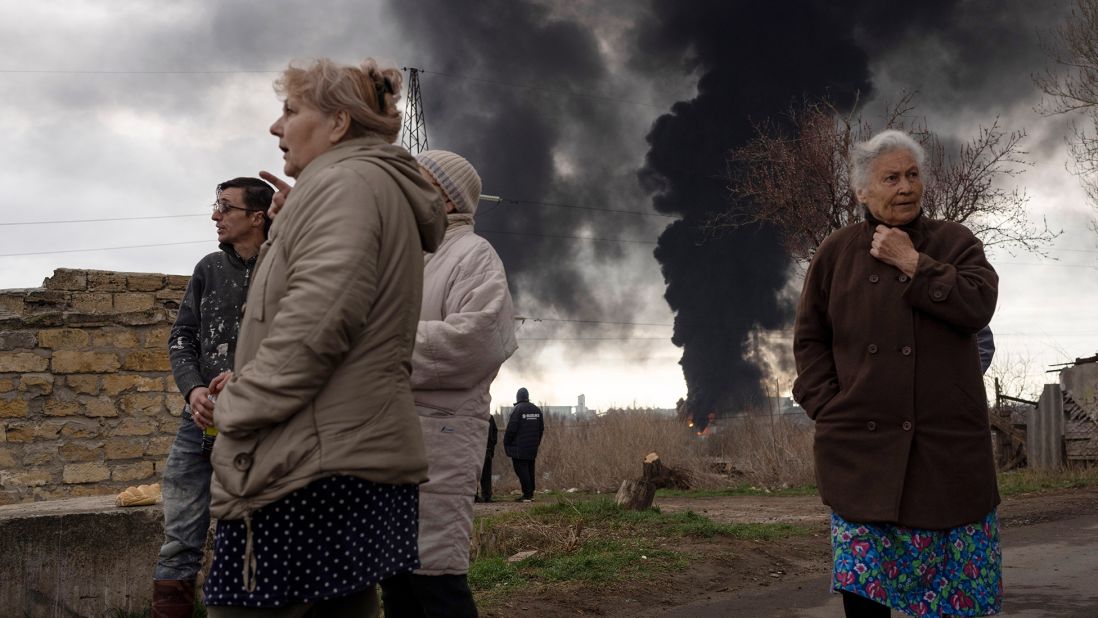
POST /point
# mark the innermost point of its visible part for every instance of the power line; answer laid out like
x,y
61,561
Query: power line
x,y
541,89
593,338
120,72
163,244
525,318
566,237
9,223
614,210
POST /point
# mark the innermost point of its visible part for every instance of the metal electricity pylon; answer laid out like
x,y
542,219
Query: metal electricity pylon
x,y
414,132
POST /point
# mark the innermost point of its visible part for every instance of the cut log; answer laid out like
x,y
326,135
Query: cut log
x,y
635,495
638,495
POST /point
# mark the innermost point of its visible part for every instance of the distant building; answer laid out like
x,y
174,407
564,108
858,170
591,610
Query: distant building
x,y
558,414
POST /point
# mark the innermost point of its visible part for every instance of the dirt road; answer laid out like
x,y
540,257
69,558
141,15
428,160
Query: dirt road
x,y
1050,543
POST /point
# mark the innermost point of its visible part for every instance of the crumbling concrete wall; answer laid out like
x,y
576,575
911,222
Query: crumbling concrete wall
x,y
87,401
81,557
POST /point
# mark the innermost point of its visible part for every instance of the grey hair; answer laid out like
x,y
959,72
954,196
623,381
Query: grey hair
x,y
863,154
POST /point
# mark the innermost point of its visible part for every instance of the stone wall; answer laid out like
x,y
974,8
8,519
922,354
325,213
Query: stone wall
x,y
87,401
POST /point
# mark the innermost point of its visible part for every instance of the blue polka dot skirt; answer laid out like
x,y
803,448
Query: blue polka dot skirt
x,y
332,538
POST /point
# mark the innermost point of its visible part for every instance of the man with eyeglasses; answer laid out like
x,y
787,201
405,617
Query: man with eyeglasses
x,y
202,345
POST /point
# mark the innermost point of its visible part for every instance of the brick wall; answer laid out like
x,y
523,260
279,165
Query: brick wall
x,y
87,401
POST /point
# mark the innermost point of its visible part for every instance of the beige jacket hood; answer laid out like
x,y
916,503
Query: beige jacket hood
x,y
321,384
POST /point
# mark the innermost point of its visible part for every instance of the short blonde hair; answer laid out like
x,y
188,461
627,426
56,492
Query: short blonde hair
x,y
367,93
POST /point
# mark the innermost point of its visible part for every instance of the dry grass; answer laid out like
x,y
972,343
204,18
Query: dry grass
x,y
599,454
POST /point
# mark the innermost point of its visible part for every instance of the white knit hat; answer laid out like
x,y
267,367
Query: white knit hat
x,y
455,175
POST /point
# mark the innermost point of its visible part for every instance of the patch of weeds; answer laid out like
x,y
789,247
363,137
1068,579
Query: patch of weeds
x,y
1025,481
739,490
689,523
602,561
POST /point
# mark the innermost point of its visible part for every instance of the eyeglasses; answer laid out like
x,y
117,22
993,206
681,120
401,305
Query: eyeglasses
x,y
222,207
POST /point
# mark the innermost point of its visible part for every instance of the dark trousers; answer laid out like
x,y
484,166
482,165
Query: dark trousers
x,y
524,469
857,606
426,596
486,478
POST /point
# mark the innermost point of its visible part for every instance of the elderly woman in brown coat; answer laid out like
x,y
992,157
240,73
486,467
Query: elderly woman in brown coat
x,y
885,345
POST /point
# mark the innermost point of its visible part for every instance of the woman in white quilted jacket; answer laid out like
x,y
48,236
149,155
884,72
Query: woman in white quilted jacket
x,y
465,333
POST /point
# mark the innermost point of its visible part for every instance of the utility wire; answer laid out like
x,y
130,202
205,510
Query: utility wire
x,y
566,237
525,318
540,89
163,244
9,223
614,210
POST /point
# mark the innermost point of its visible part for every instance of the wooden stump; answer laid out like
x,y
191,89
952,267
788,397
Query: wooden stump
x,y
635,495
638,495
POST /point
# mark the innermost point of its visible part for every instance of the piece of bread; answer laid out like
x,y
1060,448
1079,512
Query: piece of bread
x,y
142,495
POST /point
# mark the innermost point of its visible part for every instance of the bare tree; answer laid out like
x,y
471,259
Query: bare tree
x,y
1072,87
797,179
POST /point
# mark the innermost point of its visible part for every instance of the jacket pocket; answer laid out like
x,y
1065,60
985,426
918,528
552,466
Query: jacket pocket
x,y
232,460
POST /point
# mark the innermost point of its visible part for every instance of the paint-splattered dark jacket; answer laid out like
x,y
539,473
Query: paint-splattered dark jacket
x,y
203,338
887,366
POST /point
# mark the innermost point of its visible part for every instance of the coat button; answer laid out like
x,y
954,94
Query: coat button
x,y
242,462
871,425
874,278
937,294
872,348
907,425
906,351
902,278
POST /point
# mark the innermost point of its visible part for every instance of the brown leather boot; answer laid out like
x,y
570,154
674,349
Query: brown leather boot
x,y
173,598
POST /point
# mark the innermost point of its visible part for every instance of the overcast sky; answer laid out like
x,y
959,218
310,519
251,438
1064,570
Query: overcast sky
x,y
113,110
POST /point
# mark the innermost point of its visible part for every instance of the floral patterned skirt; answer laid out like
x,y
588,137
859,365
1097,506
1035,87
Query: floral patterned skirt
x,y
921,572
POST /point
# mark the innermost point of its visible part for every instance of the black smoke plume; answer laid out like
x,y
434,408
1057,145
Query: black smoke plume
x,y
755,58
507,85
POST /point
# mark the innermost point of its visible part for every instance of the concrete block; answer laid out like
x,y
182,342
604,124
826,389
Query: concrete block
x,y
135,427
91,472
111,338
67,279
16,340
142,282
85,362
63,338
146,404
132,472
92,302
22,362
77,429
130,302
49,429
106,281
83,384
158,337
79,557
99,407
77,451
117,384
148,360
13,408
125,448
56,407
177,282
36,383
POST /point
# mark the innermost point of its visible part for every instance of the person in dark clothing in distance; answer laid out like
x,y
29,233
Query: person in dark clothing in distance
x,y
202,344
521,440
985,343
486,471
